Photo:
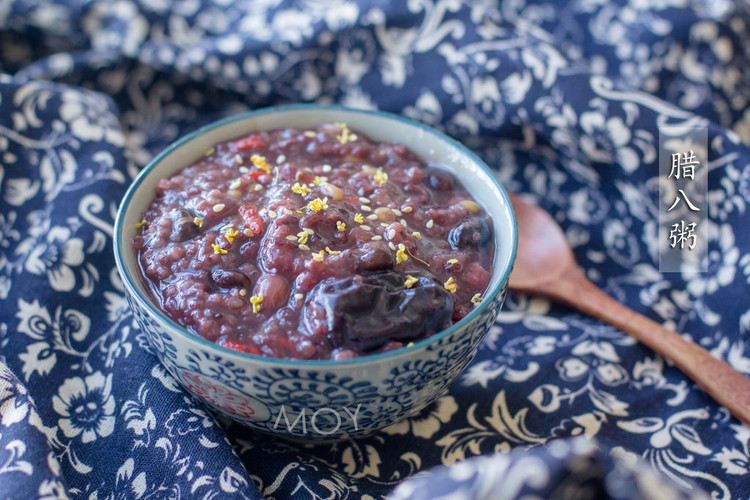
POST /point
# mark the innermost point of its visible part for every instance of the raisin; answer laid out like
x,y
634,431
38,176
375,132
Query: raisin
x,y
377,259
183,227
471,232
230,279
438,179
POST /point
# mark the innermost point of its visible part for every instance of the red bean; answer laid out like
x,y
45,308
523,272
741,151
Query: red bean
x,y
377,259
275,290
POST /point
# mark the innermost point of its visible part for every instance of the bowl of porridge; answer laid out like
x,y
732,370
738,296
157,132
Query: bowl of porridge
x,y
316,272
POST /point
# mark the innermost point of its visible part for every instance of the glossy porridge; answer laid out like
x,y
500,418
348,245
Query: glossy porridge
x,y
314,244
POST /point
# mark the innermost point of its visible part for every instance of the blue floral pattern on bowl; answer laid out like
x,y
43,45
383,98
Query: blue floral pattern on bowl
x,y
271,399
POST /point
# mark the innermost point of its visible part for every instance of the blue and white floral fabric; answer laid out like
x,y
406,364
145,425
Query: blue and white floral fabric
x,y
574,470
562,98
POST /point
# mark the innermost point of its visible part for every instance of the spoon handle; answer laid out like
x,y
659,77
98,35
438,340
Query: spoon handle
x,y
723,383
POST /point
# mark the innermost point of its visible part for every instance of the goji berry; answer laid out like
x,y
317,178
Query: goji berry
x,y
256,225
238,346
255,175
252,220
306,177
247,211
251,142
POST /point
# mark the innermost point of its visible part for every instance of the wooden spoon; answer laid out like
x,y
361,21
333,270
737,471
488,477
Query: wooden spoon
x,y
545,265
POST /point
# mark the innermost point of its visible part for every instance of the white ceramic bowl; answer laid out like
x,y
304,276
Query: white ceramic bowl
x,y
318,399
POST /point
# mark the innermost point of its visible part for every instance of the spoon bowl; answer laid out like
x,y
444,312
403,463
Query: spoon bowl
x,y
546,254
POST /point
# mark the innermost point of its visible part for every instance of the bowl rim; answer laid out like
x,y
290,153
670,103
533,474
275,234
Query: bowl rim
x,y
489,298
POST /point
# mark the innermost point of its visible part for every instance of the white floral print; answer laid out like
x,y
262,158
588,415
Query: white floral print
x,y
721,263
607,140
90,118
427,424
116,25
86,407
57,257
